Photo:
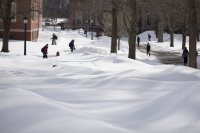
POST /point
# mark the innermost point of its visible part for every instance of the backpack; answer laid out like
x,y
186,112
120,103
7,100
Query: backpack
x,y
70,44
42,49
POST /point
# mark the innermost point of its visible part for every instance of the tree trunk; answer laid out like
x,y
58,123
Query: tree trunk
x,y
5,8
156,32
171,32
160,30
114,28
132,45
132,31
183,37
192,33
198,39
6,35
119,43
171,38
183,40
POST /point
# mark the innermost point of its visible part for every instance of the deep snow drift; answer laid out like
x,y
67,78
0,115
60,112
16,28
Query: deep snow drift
x,y
93,91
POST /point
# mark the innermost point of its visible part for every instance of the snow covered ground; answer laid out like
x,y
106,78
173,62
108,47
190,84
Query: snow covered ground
x,y
93,91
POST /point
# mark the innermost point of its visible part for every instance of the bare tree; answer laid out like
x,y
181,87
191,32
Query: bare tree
x,y
114,26
5,8
192,19
130,23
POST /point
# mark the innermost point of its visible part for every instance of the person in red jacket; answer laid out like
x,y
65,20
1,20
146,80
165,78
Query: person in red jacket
x,y
44,50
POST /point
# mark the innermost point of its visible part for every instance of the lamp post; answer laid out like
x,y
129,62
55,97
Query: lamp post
x,y
25,23
91,29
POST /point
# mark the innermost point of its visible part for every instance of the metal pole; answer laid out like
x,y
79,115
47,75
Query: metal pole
x,y
24,39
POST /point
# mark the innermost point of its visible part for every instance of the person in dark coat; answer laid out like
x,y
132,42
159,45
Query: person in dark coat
x,y
185,55
196,53
138,41
148,49
44,50
54,38
71,45
149,37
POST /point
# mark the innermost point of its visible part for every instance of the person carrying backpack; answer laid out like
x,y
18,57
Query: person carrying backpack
x,y
54,38
71,45
44,51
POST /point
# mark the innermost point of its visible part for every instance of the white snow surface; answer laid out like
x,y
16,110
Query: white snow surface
x,y
93,91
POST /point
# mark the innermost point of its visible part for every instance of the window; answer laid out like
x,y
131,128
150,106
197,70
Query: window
x,y
13,11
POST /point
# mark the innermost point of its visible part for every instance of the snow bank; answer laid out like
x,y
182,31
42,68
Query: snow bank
x,y
91,90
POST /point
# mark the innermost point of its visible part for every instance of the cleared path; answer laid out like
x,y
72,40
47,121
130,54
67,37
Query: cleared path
x,y
164,57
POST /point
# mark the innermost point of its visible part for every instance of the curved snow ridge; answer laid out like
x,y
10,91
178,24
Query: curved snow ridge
x,y
94,66
175,74
176,110
34,113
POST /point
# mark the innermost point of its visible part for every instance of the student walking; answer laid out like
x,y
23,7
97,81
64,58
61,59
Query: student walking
x,y
71,45
54,38
185,56
44,51
148,49
149,37
138,41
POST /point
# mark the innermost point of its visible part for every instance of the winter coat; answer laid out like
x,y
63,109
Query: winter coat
x,y
71,44
138,39
45,50
185,53
149,36
148,47
54,37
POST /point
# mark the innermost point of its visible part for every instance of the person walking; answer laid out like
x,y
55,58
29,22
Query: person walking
x,y
54,38
149,37
196,53
44,50
71,45
185,55
148,49
138,41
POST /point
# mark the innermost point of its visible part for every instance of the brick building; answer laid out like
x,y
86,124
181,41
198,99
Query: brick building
x,y
20,8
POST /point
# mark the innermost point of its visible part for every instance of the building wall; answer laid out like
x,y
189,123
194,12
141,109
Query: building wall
x,y
29,8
